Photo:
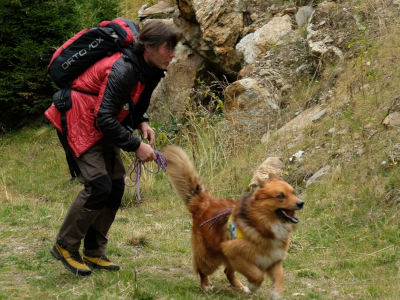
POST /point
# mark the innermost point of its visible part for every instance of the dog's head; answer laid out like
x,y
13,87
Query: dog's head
x,y
278,196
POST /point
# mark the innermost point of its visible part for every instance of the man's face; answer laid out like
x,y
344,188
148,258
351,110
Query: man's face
x,y
159,57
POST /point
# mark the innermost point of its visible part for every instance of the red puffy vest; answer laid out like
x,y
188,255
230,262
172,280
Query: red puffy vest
x,y
81,118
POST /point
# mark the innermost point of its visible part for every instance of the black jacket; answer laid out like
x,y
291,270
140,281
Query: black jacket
x,y
125,74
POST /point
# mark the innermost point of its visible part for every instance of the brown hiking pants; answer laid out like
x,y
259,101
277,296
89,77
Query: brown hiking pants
x,y
93,211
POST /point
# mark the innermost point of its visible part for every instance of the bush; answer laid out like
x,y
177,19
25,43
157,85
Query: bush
x,y
30,32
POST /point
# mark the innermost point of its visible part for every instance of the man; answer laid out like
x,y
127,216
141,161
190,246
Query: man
x,y
109,97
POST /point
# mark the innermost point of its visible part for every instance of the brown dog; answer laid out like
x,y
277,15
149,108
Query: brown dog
x,y
261,225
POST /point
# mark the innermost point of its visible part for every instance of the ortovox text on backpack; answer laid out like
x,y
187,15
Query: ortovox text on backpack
x,y
88,46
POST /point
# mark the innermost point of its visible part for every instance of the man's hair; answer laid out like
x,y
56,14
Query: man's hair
x,y
154,33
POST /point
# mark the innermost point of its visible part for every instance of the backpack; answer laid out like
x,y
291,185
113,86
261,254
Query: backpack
x,y
88,46
76,55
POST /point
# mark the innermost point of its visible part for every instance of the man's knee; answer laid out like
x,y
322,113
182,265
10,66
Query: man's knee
x,y
101,188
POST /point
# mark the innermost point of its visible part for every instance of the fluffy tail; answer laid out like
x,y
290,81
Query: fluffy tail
x,y
182,174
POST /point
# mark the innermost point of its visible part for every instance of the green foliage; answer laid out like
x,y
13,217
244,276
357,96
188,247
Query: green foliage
x,y
30,32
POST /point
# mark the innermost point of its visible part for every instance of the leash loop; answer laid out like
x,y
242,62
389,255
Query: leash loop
x,y
135,168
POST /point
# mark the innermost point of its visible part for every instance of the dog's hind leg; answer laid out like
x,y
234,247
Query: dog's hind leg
x,y
235,282
205,282
203,267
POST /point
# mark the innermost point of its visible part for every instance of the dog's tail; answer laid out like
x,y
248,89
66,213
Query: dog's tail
x,y
182,174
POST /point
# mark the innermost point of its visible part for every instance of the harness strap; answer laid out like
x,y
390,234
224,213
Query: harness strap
x,y
72,165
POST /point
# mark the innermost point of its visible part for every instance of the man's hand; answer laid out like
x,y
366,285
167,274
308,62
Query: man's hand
x,y
147,133
145,153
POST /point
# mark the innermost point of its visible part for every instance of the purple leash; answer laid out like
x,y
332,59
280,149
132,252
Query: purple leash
x,y
136,168
214,219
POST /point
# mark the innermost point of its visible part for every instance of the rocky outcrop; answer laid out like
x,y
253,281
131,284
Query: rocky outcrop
x,y
212,29
246,94
249,107
269,35
329,32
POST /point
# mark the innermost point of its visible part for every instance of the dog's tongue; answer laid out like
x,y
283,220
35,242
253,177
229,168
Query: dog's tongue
x,y
290,213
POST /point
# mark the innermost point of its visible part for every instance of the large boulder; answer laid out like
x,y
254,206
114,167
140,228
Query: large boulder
x,y
212,28
248,106
246,94
256,43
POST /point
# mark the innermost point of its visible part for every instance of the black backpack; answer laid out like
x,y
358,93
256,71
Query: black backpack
x,y
88,46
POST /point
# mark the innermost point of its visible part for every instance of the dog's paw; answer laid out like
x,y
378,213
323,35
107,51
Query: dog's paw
x,y
208,288
246,290
253,288
275,295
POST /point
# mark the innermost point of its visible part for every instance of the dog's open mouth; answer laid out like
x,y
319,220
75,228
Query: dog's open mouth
x,y
287,215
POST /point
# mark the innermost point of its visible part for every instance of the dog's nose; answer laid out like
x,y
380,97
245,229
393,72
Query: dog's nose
x,y
300,204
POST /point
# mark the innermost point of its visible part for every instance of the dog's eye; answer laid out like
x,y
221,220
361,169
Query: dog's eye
x,y
281,196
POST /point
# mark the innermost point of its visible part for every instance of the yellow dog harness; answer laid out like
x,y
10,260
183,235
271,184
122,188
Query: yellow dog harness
x,y
233,231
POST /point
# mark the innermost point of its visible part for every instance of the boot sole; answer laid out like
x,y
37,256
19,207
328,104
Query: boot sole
x,y
75,271
93,265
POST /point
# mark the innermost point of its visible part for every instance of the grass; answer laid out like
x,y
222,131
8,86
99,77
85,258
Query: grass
x,y
345,247
346,240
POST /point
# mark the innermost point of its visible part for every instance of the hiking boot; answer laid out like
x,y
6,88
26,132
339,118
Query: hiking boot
x,y
71,260
100,262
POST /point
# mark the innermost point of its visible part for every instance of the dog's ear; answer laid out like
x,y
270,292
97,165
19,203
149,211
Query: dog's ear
x,y
272,176
261,182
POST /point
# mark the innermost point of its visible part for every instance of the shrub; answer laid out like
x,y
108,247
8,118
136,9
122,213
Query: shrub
x,y
30,32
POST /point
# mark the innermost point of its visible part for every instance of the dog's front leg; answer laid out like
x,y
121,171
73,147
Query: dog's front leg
x,y
275,272
241,256
235,282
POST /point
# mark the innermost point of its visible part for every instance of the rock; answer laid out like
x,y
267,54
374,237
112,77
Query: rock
x,y
212,28
246,94
329,33
303,15
301,121
256,43
161,8
318,175
318,115
270,165
245,72
249,108
392,120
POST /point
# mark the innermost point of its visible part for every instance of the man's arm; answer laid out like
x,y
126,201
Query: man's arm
x,y
118,84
